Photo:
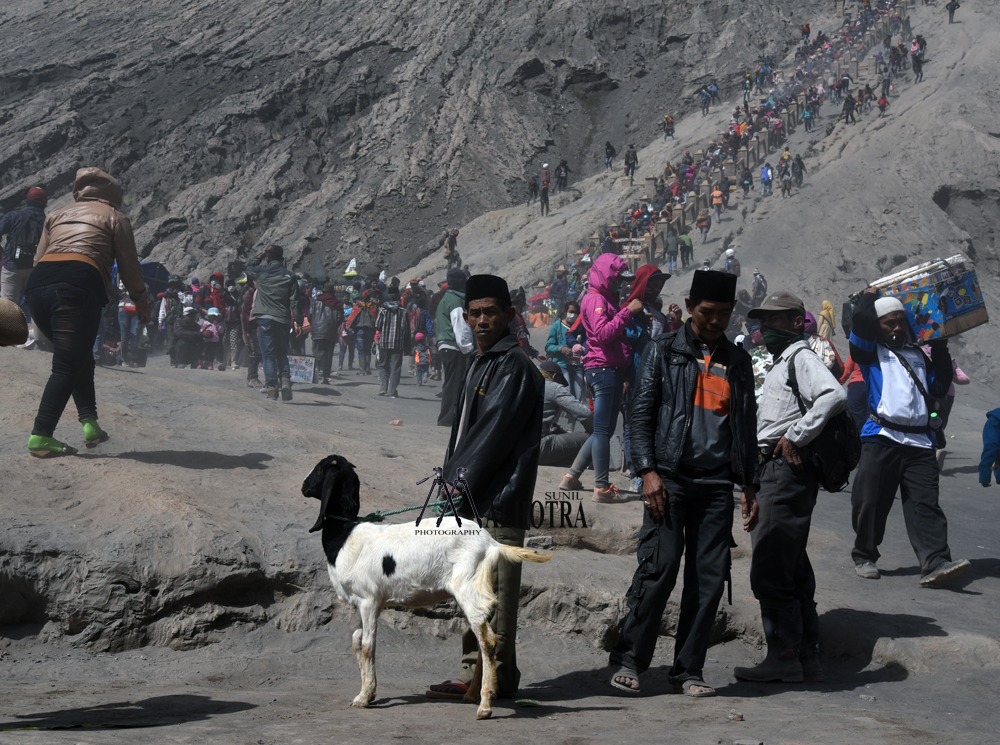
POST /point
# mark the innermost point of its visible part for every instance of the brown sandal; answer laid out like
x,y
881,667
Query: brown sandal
x,y
450,690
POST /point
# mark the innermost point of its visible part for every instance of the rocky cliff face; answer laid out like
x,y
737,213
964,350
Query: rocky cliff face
x,y
341,129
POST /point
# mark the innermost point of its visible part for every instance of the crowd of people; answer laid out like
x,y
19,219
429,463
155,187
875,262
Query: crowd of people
x,y
729,391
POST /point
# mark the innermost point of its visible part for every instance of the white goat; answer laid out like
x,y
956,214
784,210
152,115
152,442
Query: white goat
x,y
373,566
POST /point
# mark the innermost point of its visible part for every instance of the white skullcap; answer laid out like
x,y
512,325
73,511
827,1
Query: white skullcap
x,y
886,305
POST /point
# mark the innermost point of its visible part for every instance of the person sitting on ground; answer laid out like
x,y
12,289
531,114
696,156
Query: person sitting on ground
x,y
560,447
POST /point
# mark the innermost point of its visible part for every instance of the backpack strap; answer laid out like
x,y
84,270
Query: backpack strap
x,y
793,382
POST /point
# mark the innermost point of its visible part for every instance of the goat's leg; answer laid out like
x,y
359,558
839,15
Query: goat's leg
x,y
486,670
366,659
356,646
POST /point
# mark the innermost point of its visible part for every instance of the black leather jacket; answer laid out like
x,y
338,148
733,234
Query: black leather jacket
x,y
497,431
663,403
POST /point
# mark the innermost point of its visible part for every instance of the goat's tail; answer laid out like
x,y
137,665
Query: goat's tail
x,y
484,574
517,554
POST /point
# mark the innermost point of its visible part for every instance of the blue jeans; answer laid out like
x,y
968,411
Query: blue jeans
x,y
129,326
671,263
608,385
274,350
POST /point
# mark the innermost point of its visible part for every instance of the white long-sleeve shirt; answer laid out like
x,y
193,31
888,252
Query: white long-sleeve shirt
x,y
779,413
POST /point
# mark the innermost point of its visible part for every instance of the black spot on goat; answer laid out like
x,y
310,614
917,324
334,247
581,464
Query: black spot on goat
x,y
388,565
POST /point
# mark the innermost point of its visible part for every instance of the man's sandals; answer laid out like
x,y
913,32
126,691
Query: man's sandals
x,y
626,679
450,690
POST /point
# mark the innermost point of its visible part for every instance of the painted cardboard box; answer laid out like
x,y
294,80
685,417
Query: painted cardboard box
x,y
942,297
302,368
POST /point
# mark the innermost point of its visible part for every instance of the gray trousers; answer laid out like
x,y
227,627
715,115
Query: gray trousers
x,y
781,576
699,525
914,472
560,450
390,366
12,284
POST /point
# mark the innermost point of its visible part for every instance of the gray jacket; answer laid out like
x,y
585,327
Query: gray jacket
x,y
558,399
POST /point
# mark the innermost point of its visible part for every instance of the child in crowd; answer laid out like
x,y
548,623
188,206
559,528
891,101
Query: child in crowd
x,y
211,329
421,358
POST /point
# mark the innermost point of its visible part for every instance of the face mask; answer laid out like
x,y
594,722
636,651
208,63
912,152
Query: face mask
x,y
777,340
570,317
215,284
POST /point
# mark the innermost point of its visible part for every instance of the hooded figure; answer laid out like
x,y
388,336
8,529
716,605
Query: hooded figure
x,y
92,230
604,321
826,324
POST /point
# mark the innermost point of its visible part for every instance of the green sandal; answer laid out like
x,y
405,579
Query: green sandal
x,y
48,447
93,435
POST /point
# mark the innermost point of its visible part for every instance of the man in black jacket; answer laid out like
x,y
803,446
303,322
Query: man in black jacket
x,y
693,423
495,437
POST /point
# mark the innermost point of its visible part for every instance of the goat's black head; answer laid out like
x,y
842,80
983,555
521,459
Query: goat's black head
x,y
333,482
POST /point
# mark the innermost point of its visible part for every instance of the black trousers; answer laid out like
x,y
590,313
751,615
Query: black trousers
x,y
781,576
699,527
187,351
914,472
453,365
323,349
69,318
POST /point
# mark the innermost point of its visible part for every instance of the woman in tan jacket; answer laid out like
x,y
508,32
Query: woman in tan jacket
x,y
66,293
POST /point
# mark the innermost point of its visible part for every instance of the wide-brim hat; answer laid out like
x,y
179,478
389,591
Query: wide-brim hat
x,y
777,302
13,324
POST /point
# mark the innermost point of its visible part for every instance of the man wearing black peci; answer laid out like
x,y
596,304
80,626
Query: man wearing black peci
x,y
495,438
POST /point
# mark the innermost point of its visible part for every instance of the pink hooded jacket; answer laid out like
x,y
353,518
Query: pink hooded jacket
x,y
604,321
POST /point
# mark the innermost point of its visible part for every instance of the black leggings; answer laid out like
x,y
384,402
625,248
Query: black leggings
x,y
69,318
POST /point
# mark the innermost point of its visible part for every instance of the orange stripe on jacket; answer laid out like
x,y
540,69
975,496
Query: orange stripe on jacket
x,y
712,393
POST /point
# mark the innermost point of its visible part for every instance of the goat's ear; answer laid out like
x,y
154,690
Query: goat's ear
x,y
351,494
329,481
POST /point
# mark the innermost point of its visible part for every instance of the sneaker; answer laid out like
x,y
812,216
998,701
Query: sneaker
x,y
946,572
609,495
253,383
382,393
867,570
272,394
30,344
392,396
570,483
